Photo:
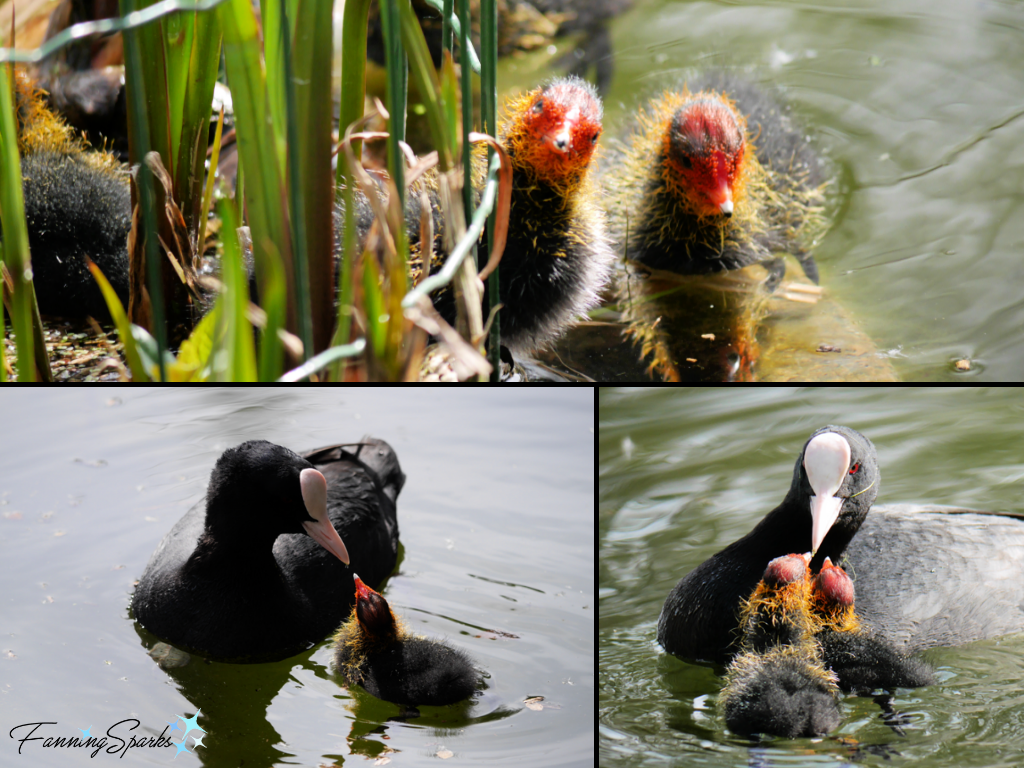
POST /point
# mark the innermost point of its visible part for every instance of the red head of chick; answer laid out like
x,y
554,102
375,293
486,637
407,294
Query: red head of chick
x,y
704,154
374,650
834,585
785,570
832,597
552,132
715,178
376,621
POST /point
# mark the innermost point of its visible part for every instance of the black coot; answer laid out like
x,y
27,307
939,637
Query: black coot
x,y
376,651
777,684
925,575
861,660
951,575
261,572
834,484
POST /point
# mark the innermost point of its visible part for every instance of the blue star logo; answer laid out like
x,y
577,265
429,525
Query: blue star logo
x,y
190,723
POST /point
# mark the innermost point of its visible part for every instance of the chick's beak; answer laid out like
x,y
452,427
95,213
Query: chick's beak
x,y
721,195
561,139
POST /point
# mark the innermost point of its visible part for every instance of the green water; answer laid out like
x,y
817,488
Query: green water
x,y
495,523
920,105
685,471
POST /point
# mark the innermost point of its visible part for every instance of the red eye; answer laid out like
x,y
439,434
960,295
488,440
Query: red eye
x,y
855,468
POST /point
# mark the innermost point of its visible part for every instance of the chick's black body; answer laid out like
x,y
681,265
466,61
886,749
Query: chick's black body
x,y
548,272
375,651
77,205
545,271
416,672
781,693
75,209
863,662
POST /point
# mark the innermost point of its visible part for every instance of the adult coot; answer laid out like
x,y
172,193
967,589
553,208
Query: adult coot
x,y
376,651
834,483
926,575
261,573
777,684
930,575
861,660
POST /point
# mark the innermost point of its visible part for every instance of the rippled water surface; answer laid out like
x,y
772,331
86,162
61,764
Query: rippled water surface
x,y
920,104
683,473
496,556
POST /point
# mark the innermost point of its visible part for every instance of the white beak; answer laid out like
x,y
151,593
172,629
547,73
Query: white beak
x,y
314,496
826,461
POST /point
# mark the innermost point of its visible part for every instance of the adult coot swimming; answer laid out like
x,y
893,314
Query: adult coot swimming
x,y
926,575
261,573
834,483
376,651
777,684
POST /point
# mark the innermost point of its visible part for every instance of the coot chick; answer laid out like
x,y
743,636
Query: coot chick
x,y
834,483
261,572
77,204
557,257
778,611
861,660
376,651
777,685
715,178
714,184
